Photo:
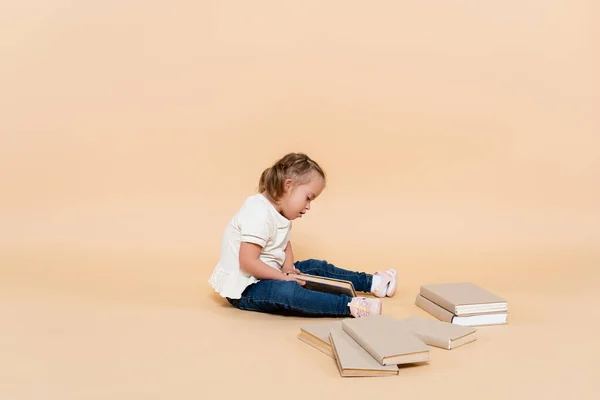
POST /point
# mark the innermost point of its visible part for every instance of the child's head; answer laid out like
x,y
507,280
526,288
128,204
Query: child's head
x,y
292,183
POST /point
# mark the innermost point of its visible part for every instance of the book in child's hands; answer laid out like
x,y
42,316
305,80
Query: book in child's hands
x,y
464,298
329,285
317,335
353,360
386,340
439,333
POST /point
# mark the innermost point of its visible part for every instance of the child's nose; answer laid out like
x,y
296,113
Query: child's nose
x,y
308,206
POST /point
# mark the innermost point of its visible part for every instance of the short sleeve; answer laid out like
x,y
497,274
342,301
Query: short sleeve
x,y
254,223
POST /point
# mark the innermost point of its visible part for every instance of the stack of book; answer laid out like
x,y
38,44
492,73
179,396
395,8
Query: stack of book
x,y
463,303
376,345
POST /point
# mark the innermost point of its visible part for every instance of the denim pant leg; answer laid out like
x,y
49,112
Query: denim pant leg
x,y
361,280
290,298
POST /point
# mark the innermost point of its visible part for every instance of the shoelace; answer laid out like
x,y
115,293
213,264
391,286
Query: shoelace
x,y
362,308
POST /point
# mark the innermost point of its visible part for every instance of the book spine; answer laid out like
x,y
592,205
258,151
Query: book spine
x,y
431,296
322,348
363,343
335,356
440,313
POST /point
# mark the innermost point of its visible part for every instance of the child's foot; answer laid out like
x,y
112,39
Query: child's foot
x,y
384,283
363,307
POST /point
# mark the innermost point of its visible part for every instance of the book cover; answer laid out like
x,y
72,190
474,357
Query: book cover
x,y
470,320
439,333
464,298
353,360
386,340
437,311
317,335
328,285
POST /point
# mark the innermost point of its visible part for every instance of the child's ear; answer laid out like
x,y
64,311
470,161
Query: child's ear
x,y
287,184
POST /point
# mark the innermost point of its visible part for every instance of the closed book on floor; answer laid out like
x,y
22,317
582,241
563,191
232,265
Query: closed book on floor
x,y
317,335
386,340
439,333
353,360
328,285
464,298
470,320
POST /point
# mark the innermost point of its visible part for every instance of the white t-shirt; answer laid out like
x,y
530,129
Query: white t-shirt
x,y
256,222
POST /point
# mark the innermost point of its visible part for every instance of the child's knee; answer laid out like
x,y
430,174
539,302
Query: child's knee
x,y
312,264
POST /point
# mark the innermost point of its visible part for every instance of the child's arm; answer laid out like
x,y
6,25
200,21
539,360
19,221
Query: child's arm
x,y
251,264
288,264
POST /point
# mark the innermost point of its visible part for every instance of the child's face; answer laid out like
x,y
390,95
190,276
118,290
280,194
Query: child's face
x,y
296,199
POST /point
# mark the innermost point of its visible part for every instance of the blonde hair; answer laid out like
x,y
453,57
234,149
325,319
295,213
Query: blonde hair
x,y
294,166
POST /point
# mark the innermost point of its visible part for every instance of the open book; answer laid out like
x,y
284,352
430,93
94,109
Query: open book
x,y
329,285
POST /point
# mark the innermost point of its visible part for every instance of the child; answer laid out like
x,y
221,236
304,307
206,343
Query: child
x,y
256,252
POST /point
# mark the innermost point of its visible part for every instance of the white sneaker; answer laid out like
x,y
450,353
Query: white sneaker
x,y
387,287
364,307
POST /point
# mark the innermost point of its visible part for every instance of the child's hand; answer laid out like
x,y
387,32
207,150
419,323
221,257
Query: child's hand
x,y
290,270
292,277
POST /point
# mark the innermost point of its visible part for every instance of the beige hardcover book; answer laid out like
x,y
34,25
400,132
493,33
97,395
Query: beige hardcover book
x,y
386,340
470,320
328,285
353,360
439,312
438,333
317,335
464,298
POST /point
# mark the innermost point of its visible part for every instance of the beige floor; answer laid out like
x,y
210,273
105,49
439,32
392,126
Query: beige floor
x,y
87,325
464,123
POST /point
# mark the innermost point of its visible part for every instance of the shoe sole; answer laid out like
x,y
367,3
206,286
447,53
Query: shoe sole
x,y
392,288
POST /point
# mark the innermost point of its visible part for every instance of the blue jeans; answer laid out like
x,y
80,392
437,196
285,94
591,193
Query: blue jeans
x,y
290,298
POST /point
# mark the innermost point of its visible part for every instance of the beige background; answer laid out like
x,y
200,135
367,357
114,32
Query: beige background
x,y
461,140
